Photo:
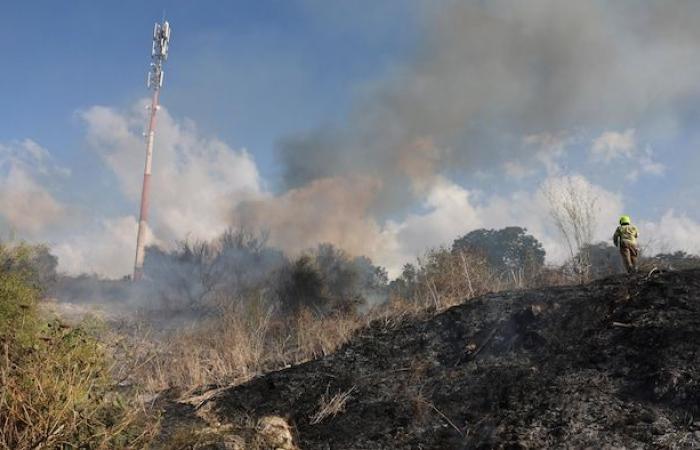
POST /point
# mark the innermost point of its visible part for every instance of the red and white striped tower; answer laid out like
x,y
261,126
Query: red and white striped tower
x,y
159,53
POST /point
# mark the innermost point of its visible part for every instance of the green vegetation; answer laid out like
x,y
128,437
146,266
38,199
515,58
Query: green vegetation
x,y
507,250
55,384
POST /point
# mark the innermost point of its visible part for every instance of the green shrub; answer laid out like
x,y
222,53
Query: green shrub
x,y
55,387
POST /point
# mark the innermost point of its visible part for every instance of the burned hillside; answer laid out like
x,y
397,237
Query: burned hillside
x,y
613,363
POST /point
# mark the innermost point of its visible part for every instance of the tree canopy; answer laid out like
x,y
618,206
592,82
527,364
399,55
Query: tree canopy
x,y
506,249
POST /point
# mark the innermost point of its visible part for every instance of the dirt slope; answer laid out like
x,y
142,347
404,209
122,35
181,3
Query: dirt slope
x,y
615,363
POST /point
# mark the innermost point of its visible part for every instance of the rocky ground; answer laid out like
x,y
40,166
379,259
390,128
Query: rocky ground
x,y
612,364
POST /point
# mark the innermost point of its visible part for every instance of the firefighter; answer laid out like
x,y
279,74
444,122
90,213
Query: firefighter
x,y
625,238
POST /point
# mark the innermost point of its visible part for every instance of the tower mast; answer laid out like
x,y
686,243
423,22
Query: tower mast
x,y
159,53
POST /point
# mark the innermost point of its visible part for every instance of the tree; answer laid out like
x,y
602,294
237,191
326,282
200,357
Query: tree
x,y
232,266
301,286
337,271
406,284
676,261
348,281
506,250
36,261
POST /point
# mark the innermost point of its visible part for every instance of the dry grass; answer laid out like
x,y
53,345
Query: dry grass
x,y
446,278
229,349
55,384
330,406
244,341
265,433
218,351
62,394
319,337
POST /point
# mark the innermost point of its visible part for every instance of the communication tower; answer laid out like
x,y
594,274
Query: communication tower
x,y
159,54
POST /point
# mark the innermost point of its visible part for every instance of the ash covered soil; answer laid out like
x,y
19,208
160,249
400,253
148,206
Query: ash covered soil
x,y
614,363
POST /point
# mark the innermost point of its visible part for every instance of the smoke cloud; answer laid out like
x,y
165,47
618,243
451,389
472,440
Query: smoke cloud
x,y
26,204
497,90
106,248
195,184
495,81
197,179
674,231
332,210
492,72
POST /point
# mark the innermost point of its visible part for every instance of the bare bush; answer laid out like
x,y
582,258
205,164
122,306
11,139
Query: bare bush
x,y
444,278
573,207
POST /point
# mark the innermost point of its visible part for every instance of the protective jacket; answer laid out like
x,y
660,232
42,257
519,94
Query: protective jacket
x,y
626,234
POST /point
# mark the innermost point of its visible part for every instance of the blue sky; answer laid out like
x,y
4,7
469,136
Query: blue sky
x,y
383,127
246,71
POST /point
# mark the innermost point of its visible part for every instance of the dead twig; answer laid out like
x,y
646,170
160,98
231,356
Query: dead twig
x,y
623,325
440,413
486,341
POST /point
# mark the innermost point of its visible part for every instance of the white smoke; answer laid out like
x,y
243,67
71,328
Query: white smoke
x,y
504,85
106,248
674,231
196,180
612,146
26,204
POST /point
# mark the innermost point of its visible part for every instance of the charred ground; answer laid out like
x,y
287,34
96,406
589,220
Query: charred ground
x,y
614,363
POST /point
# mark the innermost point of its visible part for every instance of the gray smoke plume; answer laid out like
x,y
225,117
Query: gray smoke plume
x,y
492,71
488,75
200,278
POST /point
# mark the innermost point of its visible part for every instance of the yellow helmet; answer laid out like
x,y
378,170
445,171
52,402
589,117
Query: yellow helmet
x,y
625,220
